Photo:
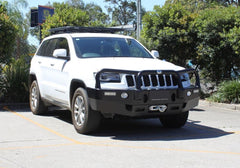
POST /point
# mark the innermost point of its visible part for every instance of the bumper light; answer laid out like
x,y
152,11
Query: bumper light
x,y
189,93
110,93
124,95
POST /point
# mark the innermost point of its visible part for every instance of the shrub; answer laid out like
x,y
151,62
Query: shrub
x,y
14,81
228,92
7,35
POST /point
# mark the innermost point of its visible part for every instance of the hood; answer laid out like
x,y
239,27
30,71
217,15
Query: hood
x,y
131,64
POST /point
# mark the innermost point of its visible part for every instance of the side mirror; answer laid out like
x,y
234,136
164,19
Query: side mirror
x,y
155,53
60,53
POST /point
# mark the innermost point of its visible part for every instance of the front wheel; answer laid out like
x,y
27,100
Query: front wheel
x,y
175,120
85,120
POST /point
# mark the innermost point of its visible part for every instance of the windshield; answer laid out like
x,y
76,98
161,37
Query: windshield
x,y
92,47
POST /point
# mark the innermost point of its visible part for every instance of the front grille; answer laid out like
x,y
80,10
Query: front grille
x,y
154,81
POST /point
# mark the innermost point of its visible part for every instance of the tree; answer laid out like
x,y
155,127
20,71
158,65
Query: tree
x,y
76,4
65,15
218,39
96,15
14,67
75,13
167,29
232,2
21,24
196,5
7,34
123,11
209,36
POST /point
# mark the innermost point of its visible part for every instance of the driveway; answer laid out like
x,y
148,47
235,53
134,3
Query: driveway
x,y
211,138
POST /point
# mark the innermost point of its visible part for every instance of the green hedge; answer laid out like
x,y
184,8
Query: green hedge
x,y
14,81
228,92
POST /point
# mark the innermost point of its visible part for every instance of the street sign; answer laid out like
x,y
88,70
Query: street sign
x,y
38,16
34,17
43,13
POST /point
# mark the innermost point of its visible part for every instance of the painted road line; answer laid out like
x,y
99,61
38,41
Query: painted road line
x,y
44,127
75,142
37,146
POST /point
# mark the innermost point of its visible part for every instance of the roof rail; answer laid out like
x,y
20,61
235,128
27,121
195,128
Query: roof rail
x,y
74,29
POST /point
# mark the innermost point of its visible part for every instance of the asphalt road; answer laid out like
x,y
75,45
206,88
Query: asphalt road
x,y
210,139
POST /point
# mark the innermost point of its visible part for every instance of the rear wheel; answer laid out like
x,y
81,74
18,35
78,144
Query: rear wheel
x,y
85,120
175,120
36,104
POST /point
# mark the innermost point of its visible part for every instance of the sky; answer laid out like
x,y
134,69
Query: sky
x,y
147,4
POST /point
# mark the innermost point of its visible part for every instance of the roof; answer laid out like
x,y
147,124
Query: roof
x,y
86,32
99,35
73,29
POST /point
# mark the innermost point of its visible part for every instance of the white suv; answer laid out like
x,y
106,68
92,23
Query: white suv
x,y
96,74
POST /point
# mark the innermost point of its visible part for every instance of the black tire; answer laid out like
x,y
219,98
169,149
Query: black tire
x,y
36,104
84,119
175,120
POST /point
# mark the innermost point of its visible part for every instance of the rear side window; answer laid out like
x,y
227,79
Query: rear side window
x,y
42,50
47,48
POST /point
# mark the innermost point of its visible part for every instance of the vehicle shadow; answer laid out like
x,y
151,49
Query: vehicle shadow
x,y
146,129
152,130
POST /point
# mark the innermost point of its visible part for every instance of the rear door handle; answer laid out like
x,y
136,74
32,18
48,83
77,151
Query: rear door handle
x,y
39,62
52,64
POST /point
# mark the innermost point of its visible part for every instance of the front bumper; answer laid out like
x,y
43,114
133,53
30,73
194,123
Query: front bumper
x,y
139,102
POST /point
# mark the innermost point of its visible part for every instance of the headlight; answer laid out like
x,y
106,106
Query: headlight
x,y
184,77
185,80
189,80
110,77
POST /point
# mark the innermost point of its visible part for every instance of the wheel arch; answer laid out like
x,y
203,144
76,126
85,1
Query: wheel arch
x,y
75,83
31,78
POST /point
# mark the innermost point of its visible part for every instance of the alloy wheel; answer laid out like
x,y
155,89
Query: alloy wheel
x,y
79,110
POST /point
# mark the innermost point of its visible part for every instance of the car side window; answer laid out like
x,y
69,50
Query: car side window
x,y
48,46
62,43
42,50
51,47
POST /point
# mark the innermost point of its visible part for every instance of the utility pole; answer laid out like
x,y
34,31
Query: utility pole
x,y
139,23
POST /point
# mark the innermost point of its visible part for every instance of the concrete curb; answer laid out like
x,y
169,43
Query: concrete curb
x,y
220,105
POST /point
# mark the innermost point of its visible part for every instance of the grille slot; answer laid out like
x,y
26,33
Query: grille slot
x,y
130,81
146,80
154,81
